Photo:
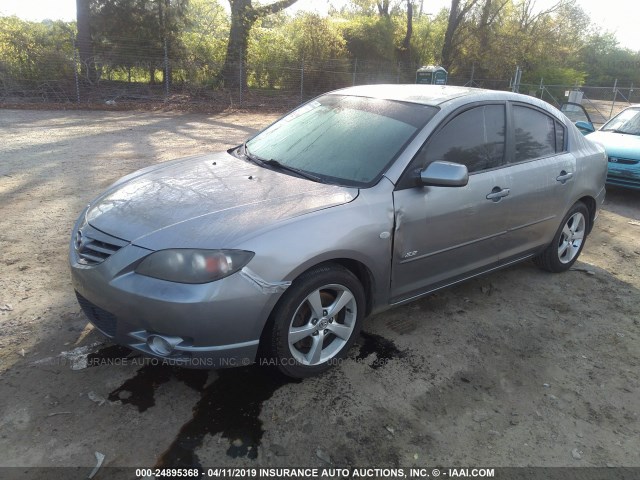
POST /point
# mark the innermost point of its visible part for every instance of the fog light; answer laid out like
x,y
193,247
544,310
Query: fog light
x,y
162,345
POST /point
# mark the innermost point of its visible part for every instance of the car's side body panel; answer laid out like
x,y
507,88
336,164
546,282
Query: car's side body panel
x,y
361,230
537,202
444,232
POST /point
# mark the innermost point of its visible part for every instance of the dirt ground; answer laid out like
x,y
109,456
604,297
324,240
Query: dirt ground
x,y
517,368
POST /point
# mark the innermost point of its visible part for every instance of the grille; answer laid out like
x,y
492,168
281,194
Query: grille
x,y
94,246
633,182
105,321
622,161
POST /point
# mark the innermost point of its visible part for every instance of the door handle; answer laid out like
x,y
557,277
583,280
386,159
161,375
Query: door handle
x,y
564,176
497,193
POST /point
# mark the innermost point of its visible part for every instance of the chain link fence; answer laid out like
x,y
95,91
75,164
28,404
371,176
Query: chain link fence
x,y
187,82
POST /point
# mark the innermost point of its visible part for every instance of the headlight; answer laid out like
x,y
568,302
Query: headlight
x,y
188,265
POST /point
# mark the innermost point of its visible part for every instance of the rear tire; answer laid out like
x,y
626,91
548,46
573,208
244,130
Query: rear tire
x,y
568,241
316,322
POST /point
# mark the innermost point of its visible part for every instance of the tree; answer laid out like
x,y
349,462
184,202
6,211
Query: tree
x,y
428,37
83,40
404,51
243,16
171,19
128,33
383,8
205,42
35,55
369,38
482,37
457,15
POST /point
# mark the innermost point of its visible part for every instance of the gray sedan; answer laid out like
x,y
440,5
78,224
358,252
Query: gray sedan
x,y
359,200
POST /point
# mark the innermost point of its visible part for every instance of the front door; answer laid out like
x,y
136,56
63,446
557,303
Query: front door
x,y
444,234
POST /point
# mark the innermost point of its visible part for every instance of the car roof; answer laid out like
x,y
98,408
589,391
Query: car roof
x,y
425,94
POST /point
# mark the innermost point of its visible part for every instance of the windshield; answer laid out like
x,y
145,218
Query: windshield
x,y
342,139
627,121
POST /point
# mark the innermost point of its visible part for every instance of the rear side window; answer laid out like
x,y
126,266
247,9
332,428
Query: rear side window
x,y
535,134
474,138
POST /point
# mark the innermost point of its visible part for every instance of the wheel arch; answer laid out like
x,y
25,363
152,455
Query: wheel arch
x,y
364,276
591,205
358,268
360,265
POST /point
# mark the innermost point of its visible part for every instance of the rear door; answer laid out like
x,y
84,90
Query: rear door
x,y
540,172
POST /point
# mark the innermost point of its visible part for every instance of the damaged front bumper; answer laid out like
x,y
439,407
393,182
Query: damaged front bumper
x,y
211,325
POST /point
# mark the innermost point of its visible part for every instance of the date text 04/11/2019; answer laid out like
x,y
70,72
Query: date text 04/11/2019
x,y
307,472
349,472
315,473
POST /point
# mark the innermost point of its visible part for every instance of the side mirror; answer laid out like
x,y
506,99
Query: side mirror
x,y
444,174
585,127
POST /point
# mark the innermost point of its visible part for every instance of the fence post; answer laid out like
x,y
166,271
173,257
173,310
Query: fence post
x,y
355,69
630,92
615,94
515,87
542,88
240,83
75,68
302,80
166,71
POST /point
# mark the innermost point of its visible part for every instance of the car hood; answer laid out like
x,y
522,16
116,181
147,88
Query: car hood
x,y
209,201
618,144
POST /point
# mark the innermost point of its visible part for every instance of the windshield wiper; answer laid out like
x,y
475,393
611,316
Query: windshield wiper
x,y
302,173
279,166
250,156
618,130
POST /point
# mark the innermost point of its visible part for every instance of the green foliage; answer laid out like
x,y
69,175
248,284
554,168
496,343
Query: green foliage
x,y
428,38
369,38
204,40
550,45
35,52
277,52
133,34
315,37
605,62
361,42
270,49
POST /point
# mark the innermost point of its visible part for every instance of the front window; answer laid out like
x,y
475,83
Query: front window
x,y
474,138
342,139
627,121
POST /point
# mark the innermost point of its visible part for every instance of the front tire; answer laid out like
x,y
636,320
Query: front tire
x,y
568,241
316,321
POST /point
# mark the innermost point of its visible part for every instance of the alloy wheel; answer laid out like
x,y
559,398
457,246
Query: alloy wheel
x,y
571,237
322,324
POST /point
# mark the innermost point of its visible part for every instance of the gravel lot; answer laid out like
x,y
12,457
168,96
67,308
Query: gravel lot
x,y
516,368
